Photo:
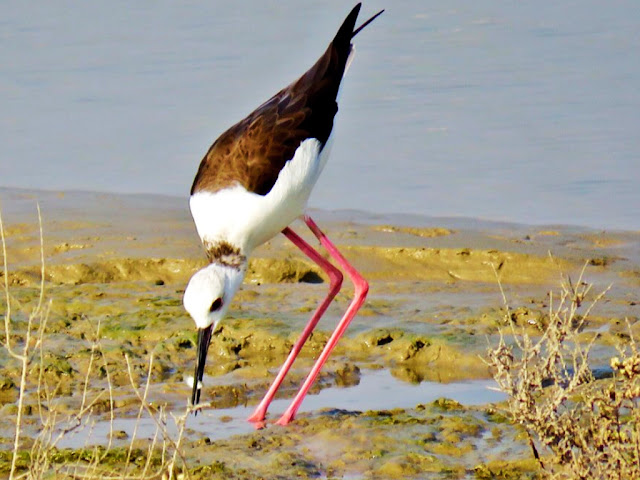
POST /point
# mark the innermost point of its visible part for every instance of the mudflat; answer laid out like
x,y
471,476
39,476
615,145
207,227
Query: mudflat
x,y
115,268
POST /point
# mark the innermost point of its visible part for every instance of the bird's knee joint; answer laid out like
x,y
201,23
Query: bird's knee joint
x,y
337,278
362,288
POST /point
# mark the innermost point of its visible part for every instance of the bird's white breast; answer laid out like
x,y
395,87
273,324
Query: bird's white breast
x,y
246,219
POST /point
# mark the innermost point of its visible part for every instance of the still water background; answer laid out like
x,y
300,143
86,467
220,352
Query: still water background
x,y
502,110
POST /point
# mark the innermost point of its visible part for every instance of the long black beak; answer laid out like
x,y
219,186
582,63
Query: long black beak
x,y
204,338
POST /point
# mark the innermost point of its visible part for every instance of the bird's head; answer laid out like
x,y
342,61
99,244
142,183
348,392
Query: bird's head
x,y
207,298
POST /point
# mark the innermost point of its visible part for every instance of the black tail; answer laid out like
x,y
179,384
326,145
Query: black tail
x,y
342,40
347,30
357,30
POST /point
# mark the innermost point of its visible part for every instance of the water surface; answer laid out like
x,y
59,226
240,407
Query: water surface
x,y
377,390
511,111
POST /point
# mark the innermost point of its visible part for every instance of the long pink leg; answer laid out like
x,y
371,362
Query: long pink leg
x,y
335,282
361,289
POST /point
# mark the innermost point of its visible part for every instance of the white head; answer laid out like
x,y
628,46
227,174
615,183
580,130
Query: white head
x,y
210,291
207,299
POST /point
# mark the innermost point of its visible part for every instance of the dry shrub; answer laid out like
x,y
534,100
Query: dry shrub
x,y
37,457
586,428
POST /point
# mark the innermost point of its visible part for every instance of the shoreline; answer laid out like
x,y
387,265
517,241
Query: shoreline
x,y
24,196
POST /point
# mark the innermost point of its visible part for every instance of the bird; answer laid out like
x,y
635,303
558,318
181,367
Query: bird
x,y
252,183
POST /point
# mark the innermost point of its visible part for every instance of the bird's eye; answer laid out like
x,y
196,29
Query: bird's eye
x,y
216,305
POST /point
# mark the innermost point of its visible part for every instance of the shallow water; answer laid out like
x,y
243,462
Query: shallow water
x,y
377,390
499,110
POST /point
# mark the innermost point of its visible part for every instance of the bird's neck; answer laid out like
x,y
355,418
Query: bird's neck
x,y
225,254
230,262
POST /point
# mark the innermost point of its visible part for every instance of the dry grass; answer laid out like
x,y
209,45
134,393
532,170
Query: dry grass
x,y
37,457
579,427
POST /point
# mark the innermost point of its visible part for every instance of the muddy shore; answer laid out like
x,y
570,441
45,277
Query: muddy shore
x,y
116,267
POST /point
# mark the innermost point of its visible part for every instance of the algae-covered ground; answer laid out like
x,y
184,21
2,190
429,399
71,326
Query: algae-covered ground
x,y
115,271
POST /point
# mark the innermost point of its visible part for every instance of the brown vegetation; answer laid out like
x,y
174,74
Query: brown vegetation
x,y
579,427
39,456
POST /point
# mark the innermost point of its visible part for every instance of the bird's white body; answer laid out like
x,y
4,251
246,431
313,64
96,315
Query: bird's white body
x,y
245,219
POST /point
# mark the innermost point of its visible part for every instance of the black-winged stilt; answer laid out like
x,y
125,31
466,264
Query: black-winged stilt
x,y
253,182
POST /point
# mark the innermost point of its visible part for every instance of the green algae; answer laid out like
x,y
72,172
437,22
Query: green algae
x,y
508,470
420,232
409,465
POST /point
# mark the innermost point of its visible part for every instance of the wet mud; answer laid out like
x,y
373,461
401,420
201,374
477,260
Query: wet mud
x,y
442,439
115,272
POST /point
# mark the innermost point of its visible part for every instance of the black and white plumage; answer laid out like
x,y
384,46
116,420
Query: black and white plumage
x,y
256,179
